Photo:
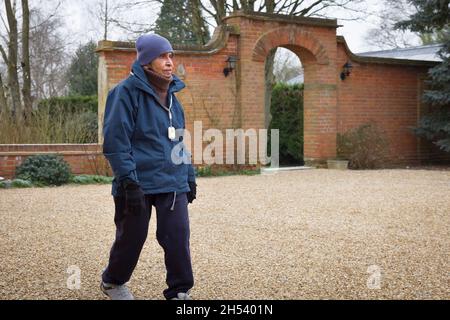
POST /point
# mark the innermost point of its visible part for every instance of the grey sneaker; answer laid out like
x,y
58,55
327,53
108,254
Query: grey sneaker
x,y
182,296
116,292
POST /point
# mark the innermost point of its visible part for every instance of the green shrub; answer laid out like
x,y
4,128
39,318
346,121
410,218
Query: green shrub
x,y
44,170
219,171
366,147
80,180
287,116
16,183
90,179
55,120
203,171
20,183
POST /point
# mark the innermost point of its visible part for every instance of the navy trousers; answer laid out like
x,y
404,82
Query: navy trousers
x,y
172,223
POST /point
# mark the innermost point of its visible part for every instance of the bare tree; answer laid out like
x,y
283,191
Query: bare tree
x,y
385,36
286,65
10,58
105,19
112,15
218,9
49,59
25,63
3,101
105,12
16,93
198,24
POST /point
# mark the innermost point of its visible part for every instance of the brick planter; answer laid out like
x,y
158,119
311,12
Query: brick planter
x,y
337,164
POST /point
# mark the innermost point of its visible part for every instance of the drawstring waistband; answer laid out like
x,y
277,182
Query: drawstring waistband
x,y
173,203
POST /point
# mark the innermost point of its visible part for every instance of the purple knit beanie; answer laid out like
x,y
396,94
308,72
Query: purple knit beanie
x,y
150,46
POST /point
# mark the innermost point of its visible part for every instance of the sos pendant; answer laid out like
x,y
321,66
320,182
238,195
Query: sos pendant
x,y
171,130
171,133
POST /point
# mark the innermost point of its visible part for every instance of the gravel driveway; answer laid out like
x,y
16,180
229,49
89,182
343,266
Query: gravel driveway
x,y
311,234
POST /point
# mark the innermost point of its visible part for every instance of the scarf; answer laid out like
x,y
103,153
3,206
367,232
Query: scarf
x,y
159,82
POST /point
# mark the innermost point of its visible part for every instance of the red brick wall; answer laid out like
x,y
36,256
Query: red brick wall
x,y
382,90
389,95
82,158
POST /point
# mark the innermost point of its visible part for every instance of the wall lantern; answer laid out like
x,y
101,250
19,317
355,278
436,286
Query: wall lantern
x,y
346,70
231,65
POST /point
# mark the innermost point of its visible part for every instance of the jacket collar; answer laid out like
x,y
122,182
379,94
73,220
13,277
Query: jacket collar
x,y
142,83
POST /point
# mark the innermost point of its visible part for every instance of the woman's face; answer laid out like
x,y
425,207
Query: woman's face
x,y
163,64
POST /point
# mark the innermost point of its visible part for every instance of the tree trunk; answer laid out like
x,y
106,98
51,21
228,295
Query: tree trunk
x,y
197,21
26,86
270,6
220,8
3,102
105,35
13,78
248,5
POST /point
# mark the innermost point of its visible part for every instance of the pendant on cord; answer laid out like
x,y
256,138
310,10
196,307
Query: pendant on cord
x,y
171,133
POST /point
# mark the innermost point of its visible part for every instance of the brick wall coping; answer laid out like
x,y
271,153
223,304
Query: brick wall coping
x,y
264,16
365,59
217,43
64,153
63,149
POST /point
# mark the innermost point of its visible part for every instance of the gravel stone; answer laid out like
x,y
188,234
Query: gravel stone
x,y
309,234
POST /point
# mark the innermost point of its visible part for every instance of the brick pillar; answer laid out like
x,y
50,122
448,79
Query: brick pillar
x,y
320,105
115,60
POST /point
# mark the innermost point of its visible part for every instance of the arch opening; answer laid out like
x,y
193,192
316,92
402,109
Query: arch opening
x,y
284,103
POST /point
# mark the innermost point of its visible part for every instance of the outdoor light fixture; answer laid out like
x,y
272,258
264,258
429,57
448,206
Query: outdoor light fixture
x,y
231,65
346,69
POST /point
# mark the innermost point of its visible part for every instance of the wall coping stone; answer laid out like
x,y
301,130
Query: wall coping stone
x,y
217,43
264,16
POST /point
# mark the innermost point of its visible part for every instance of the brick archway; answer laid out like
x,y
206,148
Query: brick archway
x,y
312,42
289,37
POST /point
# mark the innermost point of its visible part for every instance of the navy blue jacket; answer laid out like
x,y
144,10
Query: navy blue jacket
x,y
136,141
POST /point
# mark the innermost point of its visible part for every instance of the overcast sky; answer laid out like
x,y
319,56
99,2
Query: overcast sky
x,y
81,27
